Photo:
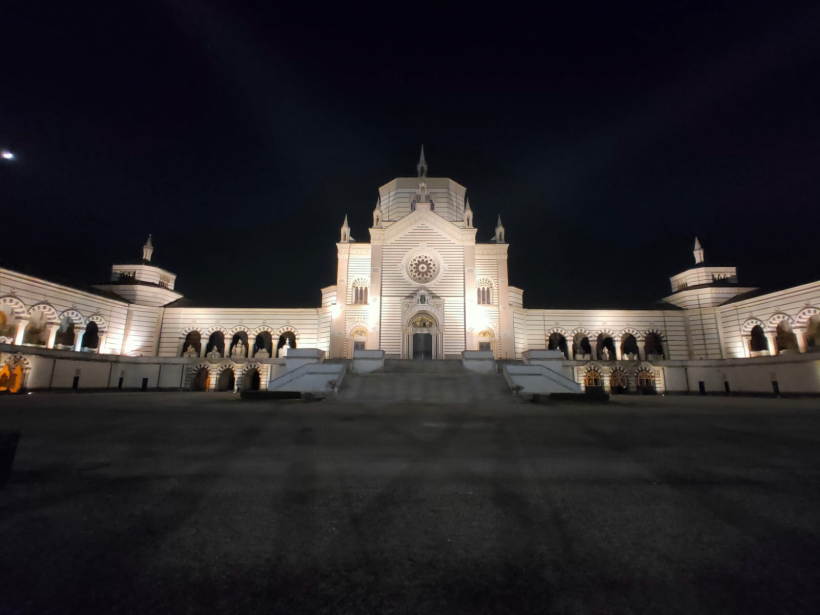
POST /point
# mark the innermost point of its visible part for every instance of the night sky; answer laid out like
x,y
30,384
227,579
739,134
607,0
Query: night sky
x,y
606,137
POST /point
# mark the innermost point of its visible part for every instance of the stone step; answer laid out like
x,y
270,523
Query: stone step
x,y
447,385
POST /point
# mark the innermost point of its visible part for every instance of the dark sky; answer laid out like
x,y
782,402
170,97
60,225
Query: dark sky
x,y
607,137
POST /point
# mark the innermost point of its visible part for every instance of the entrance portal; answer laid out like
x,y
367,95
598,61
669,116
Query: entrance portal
x,y
422,346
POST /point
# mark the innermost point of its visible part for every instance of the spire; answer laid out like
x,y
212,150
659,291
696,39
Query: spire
x,y
148,249
345,234
421,167
500,233
377,213
468,214
698,252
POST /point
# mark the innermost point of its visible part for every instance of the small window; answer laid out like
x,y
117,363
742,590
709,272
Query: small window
x,y
422,298
485,292
358,345
485,346
360,295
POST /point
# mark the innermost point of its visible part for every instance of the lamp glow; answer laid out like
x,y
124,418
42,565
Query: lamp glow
x,y
7,155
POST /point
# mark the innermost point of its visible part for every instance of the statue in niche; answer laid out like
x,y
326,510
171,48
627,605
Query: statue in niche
x,y
214,354
238,349
261,354
191,352
283,352
605,354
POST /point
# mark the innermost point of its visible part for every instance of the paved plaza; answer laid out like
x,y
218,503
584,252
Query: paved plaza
x,y
190,503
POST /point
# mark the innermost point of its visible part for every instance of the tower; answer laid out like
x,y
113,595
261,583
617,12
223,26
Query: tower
x,y
148,250
421,167
697,251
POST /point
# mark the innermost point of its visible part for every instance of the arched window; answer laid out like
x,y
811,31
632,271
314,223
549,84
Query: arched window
x,y
484,288
629,347
360,292
785,337
36,330
288,338
6,325
91,337
65,334
813,334
216,342
193,341
653,346
239,345
606,347
557,341
263,342
581,346
757,341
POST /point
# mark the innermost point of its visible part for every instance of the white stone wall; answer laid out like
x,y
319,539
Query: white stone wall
x,y
309,325
19,293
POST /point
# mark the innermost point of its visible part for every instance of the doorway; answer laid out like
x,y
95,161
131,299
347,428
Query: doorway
x,y
422,346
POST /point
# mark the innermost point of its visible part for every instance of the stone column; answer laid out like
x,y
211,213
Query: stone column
x,y
21,331
203,347
78,338
52,334
771,338
800,334
618,354
593,345
101,345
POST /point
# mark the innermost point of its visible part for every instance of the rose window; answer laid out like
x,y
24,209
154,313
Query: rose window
x,y
422,269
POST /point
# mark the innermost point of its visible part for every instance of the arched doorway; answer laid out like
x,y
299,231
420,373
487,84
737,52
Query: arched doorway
x,y
192,344
618,381
11,378
226,380
200,380
91,337
358,339
593,380
556,341
485,340
421,338
757,340
646,381
263,346
251,381
785,338
288,338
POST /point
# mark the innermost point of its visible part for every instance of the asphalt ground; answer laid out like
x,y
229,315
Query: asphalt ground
x,y
193,502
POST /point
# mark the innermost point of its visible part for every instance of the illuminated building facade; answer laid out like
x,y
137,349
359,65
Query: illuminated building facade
x,y
421,288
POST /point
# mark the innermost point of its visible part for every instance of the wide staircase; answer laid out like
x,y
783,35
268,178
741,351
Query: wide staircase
x,y
424,381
